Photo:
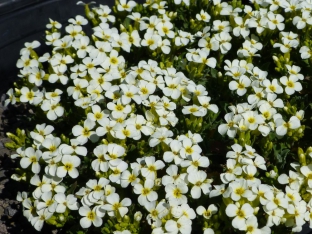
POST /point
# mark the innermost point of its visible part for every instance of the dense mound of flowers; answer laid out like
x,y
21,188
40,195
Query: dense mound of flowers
x,y
170,117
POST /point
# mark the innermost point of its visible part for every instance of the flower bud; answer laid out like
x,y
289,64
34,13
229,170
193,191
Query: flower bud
x,y
272,174
309,150
126,219
61,217
138,216
302,157
275,58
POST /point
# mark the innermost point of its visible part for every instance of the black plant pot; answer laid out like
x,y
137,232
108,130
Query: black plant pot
x,y
24,21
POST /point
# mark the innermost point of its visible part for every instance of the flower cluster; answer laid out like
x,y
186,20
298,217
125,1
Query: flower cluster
x,y
126,139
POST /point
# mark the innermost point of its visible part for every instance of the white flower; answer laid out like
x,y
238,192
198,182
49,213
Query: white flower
x,y
294,179
293,196
275,21
164,29
33,96
146,89
48,202
97,187
202,57
267,111
282,126
36,76
78,20
183,38
172,87
150,170
104,14
51,144
203,16
32,158
129,92
84,133
274,216
151,40
239,189
173,176
165,46
38,221
147,194
219,189
123,132
240,86
221,26
241,28
231,126
51,38
126,6
209,231
233,170
182,225
82,46
252,226
160,135
118,109
241,213
307,172
26,62
194,110
291,84
272,87
113,60
156,211
79,85
305,52
53,185
224,39
294,71
69,166
90,217
106,126
129,177
63,43
114,206
11,99
298,209
195,160
276,201
53,108
200,183
100,164
178,2
302,21
252,119
287,45
207,213
175,193
53,24
117,167
61,61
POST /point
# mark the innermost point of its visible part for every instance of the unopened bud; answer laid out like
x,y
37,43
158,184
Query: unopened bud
x,y
138,216
275,58
61,218
272,174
